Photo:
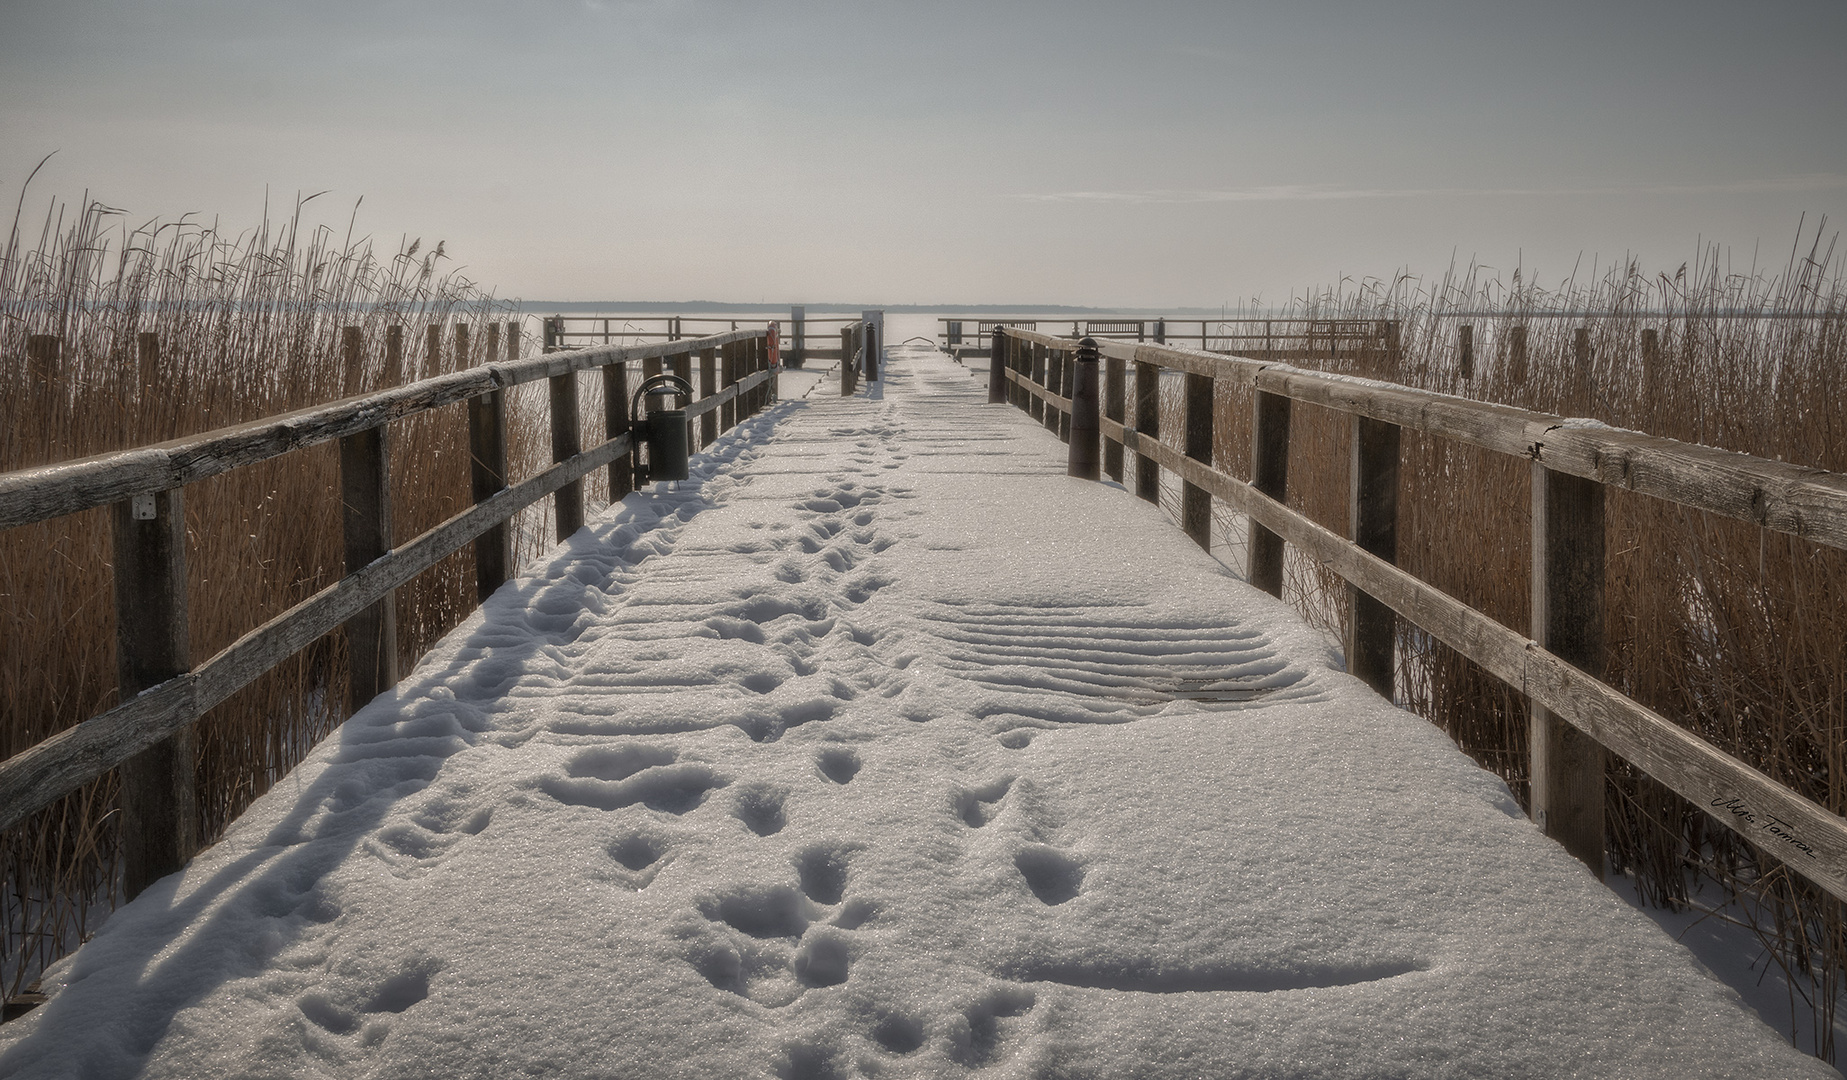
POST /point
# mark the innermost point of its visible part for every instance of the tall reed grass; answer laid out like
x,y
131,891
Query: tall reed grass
x,y
1735,632
241,326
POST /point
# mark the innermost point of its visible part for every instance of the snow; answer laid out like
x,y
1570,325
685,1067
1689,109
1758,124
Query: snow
x,y
881,747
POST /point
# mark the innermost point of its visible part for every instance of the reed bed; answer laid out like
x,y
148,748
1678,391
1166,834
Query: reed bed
x,y
173,328
1737,633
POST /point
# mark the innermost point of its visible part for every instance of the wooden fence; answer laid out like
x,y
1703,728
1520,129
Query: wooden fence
x,y
162,693
569,331
1271,339
1574,716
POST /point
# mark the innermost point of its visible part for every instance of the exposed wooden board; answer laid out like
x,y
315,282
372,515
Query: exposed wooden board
x,y
32,778
365,521
1811,839
29,495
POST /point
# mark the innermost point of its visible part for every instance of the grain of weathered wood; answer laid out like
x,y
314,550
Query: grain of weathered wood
x,y
394,355
67,487
1115,407
615,425
1148,422
1372,514
352,358
567,442
1195,501
432,351
487,451
160,811
1812,840
365,505
1270,416
708,385
1567,775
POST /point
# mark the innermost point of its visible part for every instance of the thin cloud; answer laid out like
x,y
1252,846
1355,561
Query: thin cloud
x,y
1320,193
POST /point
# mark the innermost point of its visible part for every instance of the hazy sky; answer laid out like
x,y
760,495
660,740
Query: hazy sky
x,y
1145,154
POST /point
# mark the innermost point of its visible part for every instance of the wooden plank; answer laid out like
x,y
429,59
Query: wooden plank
x,y
1372,509
1046,398
1567,775
1270,416
1195,501
365,504
1811,839
160,809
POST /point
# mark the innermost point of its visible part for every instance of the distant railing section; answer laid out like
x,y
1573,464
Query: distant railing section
x,y
162,692
1109,414
1268,339
574,331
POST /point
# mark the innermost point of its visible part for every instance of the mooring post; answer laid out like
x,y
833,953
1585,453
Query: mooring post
x,y
616,423
1567,772
1373,514
1115,406
487,452
365,499
1196,502
1270,415
1083,455
997,366
1147,426
160,809
567,442
1465,348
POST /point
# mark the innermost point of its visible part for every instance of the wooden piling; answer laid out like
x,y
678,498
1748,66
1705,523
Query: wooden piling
x,y
1270,415
1083,455
1567,772
365,501
160,810
998,385
1373,517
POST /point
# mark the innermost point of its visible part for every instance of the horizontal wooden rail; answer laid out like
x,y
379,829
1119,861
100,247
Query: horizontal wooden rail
x,y
1809,838
66,487
32,778
1805,502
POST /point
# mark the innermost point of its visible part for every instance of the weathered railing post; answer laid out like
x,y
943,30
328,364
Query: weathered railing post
x,y
1465,348
394,355
1148,426
487,452
1196,502
998,384
1115,406
1567,773
365,498
160,809
567,442
615,423
708,385
432,350
1373,514
147,353
512,340
352,351
1516,353
1083,455
1651,363
798,342
728,363
1270,415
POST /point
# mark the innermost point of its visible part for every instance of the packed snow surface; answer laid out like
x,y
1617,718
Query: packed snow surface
x,y
883,748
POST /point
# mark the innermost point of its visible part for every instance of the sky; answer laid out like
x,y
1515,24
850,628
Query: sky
x,y
1109,154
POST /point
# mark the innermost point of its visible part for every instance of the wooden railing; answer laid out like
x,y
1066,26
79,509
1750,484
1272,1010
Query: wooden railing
x,y
1271,339
575,331
1574,715
161,693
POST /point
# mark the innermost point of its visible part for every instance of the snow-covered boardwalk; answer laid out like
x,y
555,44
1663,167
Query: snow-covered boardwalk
x,y
883,748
